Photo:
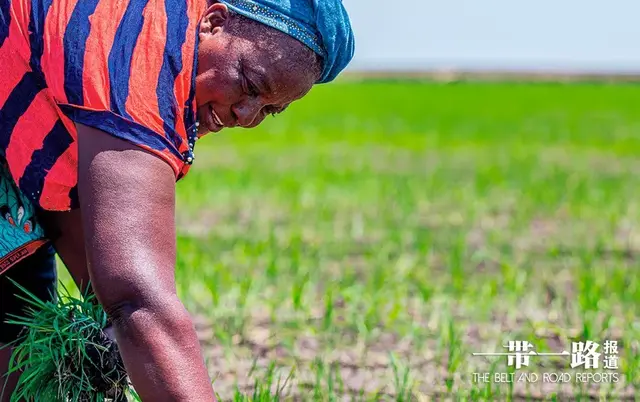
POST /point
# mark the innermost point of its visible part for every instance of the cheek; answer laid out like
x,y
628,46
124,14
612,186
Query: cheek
x,y
205,88
218,86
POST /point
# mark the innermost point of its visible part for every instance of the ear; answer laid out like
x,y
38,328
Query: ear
x,y
215,18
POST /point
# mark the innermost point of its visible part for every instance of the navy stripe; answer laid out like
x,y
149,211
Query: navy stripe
x,y
5,19
177,25
121,55
75,43
39,11
16,105
31,82
119,127
190,117
54,145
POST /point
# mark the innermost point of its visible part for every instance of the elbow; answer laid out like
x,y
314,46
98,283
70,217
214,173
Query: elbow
x,y
136,317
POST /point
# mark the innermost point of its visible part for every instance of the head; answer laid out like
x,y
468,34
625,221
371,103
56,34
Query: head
x,y
248,70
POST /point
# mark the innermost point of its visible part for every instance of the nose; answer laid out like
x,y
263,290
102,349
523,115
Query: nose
x,y
247,112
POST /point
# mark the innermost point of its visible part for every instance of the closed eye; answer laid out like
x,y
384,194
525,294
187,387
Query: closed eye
x,y
252,88
247,85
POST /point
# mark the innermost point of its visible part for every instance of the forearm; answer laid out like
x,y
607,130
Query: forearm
x,y
159,346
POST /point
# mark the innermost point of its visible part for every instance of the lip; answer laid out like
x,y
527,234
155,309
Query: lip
x,y
216,118
212,121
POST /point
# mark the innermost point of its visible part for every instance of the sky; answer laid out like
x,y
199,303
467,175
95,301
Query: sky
x,y
585,35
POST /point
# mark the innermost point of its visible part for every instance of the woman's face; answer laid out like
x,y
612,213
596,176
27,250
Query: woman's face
x,y
247,71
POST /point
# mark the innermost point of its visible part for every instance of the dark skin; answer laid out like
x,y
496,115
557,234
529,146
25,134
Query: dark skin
x,y
123,237
242,80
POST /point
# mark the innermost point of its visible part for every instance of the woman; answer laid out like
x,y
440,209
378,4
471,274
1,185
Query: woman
x,y
102,104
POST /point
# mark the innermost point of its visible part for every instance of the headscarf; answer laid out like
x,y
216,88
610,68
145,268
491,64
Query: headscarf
x,y
322,25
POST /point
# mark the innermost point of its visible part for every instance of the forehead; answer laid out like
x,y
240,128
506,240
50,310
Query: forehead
x,y
286,72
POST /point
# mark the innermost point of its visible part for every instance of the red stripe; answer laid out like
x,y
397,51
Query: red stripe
x,y
21,15
63,175
104,23
29,134
183,81
185,169
53,58
142,104
15,51
175,163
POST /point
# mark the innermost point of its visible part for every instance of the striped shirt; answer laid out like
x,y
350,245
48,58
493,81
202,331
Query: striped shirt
x,y
126,67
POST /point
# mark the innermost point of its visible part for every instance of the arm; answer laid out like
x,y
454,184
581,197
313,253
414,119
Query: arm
x,y
65,230
127,199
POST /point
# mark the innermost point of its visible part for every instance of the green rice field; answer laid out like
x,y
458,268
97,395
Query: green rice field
x,y
364,244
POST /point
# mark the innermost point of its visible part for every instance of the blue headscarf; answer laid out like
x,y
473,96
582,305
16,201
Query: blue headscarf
x,y
322,25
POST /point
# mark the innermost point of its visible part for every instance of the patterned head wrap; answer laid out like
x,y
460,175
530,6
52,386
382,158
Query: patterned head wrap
x,y
322,25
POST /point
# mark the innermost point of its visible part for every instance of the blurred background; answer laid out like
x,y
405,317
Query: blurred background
x,y
364,244
563,36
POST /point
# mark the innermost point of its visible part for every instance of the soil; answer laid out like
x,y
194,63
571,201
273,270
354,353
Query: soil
x,y
359,367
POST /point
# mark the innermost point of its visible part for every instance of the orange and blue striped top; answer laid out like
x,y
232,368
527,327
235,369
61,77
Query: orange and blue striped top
x,y
126,67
